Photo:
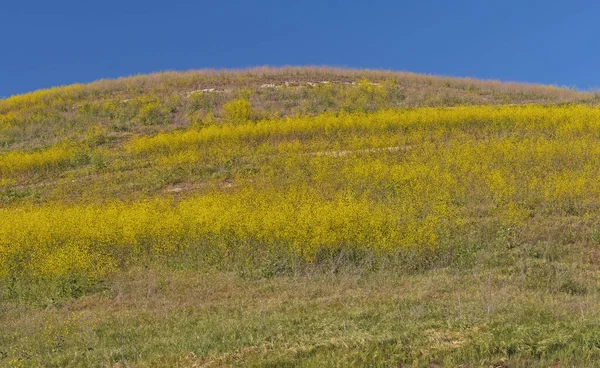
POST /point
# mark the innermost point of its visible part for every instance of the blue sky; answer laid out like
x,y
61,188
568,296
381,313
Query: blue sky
x,y
48,43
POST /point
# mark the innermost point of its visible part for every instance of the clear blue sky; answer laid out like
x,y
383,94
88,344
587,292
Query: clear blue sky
x,y
47,43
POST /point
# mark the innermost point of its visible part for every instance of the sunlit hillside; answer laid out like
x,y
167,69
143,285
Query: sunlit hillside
x,y
300,216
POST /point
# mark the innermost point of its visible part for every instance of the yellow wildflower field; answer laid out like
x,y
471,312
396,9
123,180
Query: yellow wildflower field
x,y
391,181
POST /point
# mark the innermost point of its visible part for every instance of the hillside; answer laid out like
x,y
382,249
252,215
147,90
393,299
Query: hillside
x,y
299,216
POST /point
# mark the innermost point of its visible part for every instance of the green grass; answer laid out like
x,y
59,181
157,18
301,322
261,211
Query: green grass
x,y
483,316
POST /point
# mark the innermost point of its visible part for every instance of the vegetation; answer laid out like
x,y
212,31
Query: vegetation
x,y
266,217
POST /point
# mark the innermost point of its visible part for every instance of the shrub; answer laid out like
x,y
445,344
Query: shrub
x,y
152,113
237,111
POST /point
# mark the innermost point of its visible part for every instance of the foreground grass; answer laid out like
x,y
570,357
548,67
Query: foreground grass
x,y
442,317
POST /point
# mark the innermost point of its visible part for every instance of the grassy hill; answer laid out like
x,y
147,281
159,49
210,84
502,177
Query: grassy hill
x,y
299,217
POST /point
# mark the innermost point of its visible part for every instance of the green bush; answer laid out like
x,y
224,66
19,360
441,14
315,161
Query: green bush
x,y
153,113
237,111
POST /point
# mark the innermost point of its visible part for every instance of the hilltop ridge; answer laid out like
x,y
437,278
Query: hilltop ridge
x,y
147,104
